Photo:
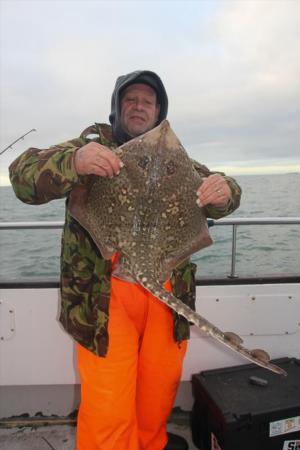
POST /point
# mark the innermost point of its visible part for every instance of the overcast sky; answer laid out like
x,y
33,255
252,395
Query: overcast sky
x,y
231,70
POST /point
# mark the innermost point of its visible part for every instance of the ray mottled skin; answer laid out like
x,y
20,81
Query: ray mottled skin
x,y
149,214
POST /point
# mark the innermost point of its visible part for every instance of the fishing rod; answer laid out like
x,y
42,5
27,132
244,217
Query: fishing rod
x,y
21,137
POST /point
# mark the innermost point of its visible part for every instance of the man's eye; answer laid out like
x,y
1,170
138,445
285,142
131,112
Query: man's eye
x,y
149,102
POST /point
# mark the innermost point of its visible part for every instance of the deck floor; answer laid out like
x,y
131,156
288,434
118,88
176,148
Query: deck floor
x,y
60,437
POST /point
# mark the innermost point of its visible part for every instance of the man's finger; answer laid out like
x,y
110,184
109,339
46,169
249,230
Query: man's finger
x,y
110,162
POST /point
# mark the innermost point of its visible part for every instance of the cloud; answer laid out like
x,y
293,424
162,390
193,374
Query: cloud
x,y
230,69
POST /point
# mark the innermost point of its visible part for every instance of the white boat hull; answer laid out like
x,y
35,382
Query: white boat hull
x,y
36,355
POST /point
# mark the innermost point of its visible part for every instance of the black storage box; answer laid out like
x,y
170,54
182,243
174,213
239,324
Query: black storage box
x,y
232,412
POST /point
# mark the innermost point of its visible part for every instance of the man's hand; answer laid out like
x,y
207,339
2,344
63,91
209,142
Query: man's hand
x,y
96,159
214,191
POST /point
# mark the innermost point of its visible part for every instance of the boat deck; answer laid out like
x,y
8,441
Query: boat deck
x,y
61,437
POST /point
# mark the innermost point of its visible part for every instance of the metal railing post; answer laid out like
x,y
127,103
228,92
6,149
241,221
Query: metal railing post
x,y
233,252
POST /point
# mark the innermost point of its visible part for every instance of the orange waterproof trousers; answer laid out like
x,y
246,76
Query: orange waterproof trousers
x,y
127,396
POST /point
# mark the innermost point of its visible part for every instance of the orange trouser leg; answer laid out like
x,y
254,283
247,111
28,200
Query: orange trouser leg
x,y
159,373
127,396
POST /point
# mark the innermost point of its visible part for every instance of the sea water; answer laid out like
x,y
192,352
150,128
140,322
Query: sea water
x,y
261,249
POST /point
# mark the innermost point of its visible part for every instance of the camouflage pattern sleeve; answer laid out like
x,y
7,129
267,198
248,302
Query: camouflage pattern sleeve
x,y
40,175
217,212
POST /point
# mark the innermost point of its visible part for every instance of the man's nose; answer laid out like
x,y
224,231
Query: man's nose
x,y
138,104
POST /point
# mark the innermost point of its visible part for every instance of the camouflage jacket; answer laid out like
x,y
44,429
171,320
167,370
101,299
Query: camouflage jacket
x,y
39,176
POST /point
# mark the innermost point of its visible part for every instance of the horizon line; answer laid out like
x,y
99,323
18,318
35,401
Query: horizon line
x,y
5,182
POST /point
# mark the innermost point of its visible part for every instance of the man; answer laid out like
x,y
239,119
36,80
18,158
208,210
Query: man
x,y
130,345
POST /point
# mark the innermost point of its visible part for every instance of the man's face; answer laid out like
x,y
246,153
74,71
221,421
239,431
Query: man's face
x,y
139,109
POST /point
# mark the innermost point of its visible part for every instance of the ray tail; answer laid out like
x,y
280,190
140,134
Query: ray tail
x,y
234,342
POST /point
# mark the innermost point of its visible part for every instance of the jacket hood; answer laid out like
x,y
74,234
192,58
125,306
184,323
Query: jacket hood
x,y
139,76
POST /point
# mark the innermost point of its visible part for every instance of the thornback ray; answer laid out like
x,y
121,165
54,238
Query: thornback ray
x,y
148,214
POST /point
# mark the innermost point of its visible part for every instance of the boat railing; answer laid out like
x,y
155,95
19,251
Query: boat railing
x,y
235,223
